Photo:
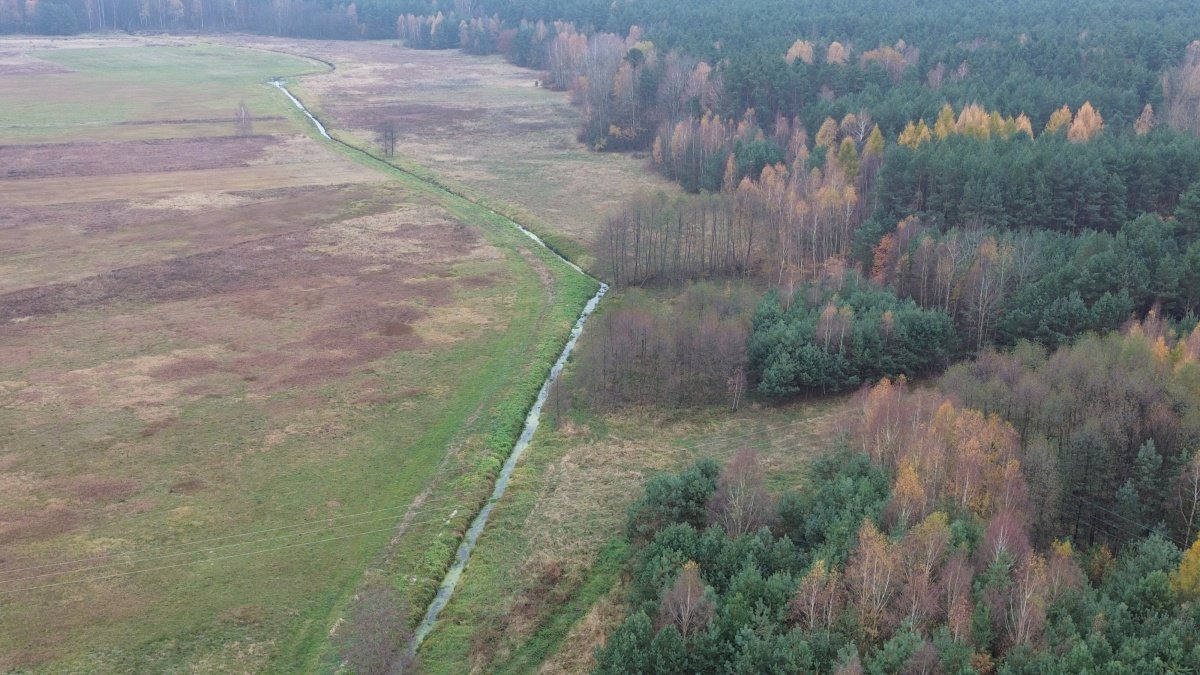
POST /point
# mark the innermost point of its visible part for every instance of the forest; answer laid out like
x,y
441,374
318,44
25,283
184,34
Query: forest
x,y
1001,204
1030,513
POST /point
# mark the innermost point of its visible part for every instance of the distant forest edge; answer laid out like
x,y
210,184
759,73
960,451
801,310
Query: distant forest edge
x,y
1013,57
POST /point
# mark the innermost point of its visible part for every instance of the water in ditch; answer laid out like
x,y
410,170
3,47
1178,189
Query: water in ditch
x,y
446,589
463,555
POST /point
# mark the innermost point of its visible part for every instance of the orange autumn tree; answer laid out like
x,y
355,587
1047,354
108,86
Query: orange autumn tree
x,y
801,50
872,578
1059,120
837,54
1145,122
828,133
1086,125
949,461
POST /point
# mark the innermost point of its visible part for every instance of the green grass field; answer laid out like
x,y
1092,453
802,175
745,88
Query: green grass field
x,y
219,459
145,92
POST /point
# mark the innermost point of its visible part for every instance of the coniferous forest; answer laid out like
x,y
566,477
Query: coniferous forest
x,y
981,221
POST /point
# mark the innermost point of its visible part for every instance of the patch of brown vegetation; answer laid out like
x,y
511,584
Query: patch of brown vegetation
x,y
92,488
577,653
49,244
159,425
246,615
16,63
478,121
244,266
130,157
102,216
189,367
187,486
274,280
407,116
52,520
79,189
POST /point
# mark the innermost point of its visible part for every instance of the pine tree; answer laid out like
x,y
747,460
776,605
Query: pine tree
x,y
668,653
626,651
1187,214
876,145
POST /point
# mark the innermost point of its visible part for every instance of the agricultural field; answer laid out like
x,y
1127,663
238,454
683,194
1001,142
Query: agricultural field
x,y
230,360
483,126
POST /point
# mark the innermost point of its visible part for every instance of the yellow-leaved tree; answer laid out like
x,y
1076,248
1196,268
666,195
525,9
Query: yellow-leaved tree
x,y
1086,125
915,134
974,121
945,123
1023,125
1186,580
1060,119
847,158
827,134
1145,122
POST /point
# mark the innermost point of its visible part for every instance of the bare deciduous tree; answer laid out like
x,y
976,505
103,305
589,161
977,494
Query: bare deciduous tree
x,y
244,120
387,137
686,606
1187,492
741,503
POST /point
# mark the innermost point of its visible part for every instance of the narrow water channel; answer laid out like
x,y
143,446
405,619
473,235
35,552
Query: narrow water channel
x,y
446,589
463,555
316,122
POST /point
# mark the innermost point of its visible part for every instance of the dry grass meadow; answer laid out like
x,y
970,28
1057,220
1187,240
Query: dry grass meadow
x,y
481,123
240,371
228,362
